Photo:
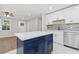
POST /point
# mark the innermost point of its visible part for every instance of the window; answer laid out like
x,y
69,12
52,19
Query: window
x,y
6,25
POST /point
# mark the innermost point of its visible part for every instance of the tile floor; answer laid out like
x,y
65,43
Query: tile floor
x,y
58,49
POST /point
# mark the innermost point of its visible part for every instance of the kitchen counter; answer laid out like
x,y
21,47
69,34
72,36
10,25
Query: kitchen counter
x,y
29,35
8,35
70,31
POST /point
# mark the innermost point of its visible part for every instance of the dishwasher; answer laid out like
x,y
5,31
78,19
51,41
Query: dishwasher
x,y
71,39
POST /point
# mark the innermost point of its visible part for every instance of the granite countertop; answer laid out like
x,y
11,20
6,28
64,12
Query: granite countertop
x,y
29,35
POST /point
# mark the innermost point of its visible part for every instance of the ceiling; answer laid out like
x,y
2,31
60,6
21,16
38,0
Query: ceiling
x,y
27,11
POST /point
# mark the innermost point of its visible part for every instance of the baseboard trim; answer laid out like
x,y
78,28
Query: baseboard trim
x,y
71,47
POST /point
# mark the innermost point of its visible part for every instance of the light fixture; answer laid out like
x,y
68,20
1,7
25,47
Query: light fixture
x,y
8,14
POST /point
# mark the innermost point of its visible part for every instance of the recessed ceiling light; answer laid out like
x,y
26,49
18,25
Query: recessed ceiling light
x,y
50,8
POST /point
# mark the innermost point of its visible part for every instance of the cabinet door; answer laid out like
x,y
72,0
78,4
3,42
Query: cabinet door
x,y
28,47
76,41
41,45
1,46
35,46
72,39
68,39
7,45
13,42
49,43
58,37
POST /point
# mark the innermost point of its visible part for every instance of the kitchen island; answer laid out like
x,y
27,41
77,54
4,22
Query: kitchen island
x,y
38,42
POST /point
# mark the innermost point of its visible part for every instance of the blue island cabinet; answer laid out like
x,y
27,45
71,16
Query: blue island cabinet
x,y
37,45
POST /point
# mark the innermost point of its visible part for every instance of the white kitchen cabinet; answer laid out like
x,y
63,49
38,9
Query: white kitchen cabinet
x,y
67,14
71,39
71,15
76,40
68,39
75,14
58,36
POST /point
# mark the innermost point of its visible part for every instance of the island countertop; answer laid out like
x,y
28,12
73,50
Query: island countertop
x,y
28,35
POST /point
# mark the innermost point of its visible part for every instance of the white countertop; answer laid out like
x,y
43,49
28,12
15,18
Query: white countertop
x,y
29,35
8,35
71,31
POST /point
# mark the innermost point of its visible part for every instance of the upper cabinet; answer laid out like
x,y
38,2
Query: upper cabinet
x,y
75,14
67,14
49,18
71,15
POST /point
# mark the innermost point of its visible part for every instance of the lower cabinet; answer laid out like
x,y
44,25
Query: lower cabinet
x,y
71,39
49,43
34,46
38,45
7,44
1,46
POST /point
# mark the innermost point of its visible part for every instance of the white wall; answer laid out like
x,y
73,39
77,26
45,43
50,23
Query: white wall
x,y
22,28
44,21
14,27
34,24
